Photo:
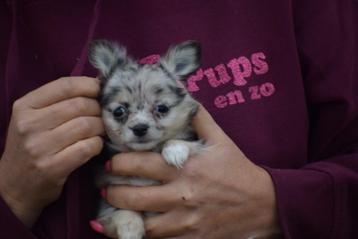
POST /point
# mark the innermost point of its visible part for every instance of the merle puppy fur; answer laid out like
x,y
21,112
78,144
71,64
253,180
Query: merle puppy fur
x,y
144,108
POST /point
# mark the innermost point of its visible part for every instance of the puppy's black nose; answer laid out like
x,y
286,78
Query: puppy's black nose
x,y
140,129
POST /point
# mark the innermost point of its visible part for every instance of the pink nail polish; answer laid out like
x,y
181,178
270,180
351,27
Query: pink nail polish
x,y
96,226
104,192
108,166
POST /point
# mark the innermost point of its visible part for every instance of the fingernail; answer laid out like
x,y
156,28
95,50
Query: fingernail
x,y
104,192
108,166
96,226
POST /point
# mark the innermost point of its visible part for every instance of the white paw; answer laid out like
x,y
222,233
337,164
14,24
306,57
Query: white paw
x,y
129,225
123,224
175,154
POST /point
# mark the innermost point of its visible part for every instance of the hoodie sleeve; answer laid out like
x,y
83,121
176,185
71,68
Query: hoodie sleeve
x,y
320,199
5,26
10,225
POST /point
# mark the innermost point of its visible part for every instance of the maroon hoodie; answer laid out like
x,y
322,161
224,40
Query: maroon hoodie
x,y
280,77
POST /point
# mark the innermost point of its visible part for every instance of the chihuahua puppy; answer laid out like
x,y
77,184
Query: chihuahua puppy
x,y
144,108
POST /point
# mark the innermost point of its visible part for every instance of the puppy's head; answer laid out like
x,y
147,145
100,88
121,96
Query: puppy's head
x,y
143,105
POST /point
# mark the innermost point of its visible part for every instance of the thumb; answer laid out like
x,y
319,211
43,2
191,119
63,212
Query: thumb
x,y
205,126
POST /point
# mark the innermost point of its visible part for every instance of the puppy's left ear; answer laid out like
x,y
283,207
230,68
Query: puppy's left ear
x,y
182,59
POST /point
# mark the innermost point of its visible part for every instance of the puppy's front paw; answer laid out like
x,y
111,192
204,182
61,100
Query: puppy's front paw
x,y
175,153
122,224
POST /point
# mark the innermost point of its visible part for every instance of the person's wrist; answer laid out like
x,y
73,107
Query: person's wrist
x,y
28,215
22,209
267,196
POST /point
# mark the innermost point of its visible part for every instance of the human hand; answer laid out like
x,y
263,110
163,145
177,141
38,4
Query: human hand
x,y
53,130
218,194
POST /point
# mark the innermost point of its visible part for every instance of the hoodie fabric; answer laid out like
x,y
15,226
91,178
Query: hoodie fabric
x,y
280,78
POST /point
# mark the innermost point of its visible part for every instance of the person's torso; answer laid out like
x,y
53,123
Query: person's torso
x,y
249,78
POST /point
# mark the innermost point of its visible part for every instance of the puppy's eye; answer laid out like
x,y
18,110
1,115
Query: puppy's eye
x,y
119,111
162,109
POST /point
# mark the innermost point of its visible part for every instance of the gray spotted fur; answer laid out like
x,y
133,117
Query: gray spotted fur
x,y
140,89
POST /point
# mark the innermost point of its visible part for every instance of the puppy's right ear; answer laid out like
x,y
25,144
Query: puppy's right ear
x,y
104,55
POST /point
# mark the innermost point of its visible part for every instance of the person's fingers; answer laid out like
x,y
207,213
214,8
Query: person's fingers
x,y
151,198
171,224
77,129
67,134
72,157
61,89
54,115
205,126
143,164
